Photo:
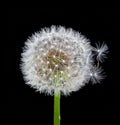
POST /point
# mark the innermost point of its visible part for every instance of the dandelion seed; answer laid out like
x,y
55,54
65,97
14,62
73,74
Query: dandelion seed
x,y
48,62
44,75
61,78
69,75
63,61
43,69
54,56
50,70
101,51
56,65
68,67
96,74
52,47
44,54
72,61
50,79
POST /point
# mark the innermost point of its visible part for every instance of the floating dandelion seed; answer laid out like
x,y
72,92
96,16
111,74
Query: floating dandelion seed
x,y
101,51
59,61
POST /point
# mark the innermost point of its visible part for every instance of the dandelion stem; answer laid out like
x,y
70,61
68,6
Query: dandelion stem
x,y
98,64
57,108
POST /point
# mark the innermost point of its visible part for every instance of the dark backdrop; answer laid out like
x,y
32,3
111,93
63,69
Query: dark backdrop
x,y
93,104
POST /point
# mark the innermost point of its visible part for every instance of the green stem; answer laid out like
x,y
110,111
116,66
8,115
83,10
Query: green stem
x,y
57,108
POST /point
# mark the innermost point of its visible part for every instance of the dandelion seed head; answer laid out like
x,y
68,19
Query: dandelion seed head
x,y
59,59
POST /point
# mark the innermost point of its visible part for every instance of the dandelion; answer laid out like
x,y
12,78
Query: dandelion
x,y
59,61
96,74
101,51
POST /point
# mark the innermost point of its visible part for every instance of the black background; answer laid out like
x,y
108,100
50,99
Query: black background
x,y
93,104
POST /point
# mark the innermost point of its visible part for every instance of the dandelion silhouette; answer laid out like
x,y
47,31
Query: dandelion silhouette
x,y
59,61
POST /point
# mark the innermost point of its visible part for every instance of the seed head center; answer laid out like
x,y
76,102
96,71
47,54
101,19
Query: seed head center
x,y
56,60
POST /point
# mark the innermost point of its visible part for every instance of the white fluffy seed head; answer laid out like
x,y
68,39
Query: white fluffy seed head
x,y
59,59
